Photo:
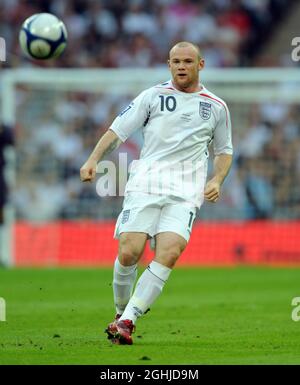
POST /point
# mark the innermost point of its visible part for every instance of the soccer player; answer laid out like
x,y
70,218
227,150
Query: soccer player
x,y
179,119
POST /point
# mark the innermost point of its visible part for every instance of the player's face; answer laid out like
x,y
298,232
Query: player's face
x,y
185,65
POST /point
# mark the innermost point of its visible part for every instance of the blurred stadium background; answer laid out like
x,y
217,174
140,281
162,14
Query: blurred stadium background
x,y
57,110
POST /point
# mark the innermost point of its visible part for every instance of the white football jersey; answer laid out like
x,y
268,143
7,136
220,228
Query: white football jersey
x,y
177,128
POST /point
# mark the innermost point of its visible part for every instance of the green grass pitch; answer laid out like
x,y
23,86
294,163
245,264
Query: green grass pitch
x,y
204,316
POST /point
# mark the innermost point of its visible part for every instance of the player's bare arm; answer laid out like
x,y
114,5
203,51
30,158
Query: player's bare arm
x,y
222,164
108,142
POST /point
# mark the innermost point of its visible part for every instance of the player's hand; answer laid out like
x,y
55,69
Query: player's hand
x,y
88,171
212,191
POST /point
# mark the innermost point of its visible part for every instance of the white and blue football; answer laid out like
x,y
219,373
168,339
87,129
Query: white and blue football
x,y
43,36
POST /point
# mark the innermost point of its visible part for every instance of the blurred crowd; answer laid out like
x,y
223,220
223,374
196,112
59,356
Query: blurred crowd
x,y
265,178
139,33
263,183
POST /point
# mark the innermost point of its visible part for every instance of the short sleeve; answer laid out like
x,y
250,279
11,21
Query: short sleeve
x,y
222,143
132,117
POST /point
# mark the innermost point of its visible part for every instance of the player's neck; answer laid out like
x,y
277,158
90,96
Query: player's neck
x,y
195,87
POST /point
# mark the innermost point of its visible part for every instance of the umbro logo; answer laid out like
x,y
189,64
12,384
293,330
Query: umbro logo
x,y
186,117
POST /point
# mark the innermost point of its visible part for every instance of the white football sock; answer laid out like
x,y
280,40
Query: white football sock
x,y
123,282
148,288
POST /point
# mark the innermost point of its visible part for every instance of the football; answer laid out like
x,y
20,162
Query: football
x,y
43,36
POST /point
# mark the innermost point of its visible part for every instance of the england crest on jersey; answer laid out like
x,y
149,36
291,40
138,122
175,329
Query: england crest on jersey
x,y
205,110
125,216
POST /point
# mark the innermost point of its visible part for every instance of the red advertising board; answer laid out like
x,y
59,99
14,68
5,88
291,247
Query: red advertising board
x,y
85,243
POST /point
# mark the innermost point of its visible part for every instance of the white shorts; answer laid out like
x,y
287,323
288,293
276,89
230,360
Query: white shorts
x,y
153,214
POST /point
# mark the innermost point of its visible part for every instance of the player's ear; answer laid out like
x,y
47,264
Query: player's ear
x,y
169,63
201,64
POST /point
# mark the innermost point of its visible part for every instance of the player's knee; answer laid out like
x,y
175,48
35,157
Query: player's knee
x,y
169,256
129,253
128,256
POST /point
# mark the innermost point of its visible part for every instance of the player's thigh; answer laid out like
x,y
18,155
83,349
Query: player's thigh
x,y
131,247
169,246
177,218
173,232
